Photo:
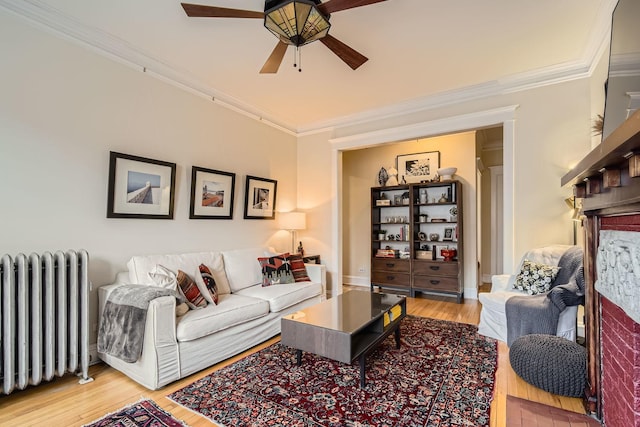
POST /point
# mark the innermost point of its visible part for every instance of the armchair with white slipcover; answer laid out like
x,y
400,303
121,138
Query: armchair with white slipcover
x,y
508,312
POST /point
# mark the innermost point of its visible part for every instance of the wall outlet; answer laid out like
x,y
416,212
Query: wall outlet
x,y
362,270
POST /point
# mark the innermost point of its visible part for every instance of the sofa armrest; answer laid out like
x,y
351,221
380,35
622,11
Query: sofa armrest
x,y
500,282
159,363
318,274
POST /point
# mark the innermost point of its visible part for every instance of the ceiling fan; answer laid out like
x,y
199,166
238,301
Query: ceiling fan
x,y
295,23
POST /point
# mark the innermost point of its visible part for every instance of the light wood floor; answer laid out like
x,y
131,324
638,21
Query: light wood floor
x,y
64,402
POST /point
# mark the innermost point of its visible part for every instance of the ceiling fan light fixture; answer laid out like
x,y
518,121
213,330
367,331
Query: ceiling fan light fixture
x,y
296,22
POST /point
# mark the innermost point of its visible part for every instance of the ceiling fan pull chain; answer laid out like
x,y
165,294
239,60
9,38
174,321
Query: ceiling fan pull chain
x,y
299,60
295,63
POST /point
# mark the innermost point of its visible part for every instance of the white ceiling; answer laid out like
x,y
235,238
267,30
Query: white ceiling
x,y
419,51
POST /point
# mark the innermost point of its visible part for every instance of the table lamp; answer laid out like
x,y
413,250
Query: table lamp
x,y
293,221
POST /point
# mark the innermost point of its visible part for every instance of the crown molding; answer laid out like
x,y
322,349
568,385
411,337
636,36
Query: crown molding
x,y
52,20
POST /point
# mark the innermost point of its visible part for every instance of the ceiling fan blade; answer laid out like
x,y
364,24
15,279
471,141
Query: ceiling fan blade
x,y
201,11
350,56
275,59
338,5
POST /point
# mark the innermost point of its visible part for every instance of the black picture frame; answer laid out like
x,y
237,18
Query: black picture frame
x,y
260,198
212,194
418,167
140,187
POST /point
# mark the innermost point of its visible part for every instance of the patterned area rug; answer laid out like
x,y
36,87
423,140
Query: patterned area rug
x,y
144,413
442,375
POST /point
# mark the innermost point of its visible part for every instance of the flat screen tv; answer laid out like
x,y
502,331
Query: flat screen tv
x,y
623,83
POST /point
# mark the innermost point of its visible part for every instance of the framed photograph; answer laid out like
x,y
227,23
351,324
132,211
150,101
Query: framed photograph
x,y
212,194
418,167
140,187
448,234
260,198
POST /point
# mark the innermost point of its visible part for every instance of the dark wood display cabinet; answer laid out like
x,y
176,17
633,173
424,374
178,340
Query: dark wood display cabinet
x,y
416,242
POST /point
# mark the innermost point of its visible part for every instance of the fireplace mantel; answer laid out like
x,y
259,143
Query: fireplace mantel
x,y
604,178
607,180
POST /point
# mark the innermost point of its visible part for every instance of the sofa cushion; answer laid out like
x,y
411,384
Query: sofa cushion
x,y
189,290
231,310
298,269
162,277
283,296
535,278
241,267
140,267
276,270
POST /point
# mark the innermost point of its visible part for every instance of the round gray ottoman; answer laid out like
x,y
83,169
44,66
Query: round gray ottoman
x,y
551,363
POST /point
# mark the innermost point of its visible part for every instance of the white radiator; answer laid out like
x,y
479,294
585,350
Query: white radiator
x,y
44,318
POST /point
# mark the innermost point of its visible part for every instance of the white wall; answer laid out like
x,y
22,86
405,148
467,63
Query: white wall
x,y
551,132
63,108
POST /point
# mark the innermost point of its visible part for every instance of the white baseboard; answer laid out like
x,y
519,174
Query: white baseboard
x,y
356,281
470,293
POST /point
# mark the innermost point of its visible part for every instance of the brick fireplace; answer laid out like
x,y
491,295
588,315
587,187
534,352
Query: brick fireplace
x,y
619,289
607,182
620,367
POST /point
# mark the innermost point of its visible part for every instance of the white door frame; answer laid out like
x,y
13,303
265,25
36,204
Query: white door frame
x,y
501,116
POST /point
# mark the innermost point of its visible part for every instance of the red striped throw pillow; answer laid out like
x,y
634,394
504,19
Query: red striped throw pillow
x,y
190,291
298,269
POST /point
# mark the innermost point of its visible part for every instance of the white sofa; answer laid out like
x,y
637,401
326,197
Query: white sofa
x,y
493,318
246,314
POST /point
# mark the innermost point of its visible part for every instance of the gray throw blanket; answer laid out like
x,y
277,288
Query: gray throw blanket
x,y
122,325
538,314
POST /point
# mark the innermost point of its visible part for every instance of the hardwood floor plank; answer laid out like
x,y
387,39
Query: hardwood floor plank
x,y
64,402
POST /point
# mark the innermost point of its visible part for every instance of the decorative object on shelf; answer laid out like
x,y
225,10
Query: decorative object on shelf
x,y
383,176
393,177
418,167
385,253
448,253
422,236
423,218
140,187
443,198
397,200
405,198
434,237
426,254
260,198
423,196
404,181
448,234
212,194
446,174
382,235
438,220
300,249
454,213
293,221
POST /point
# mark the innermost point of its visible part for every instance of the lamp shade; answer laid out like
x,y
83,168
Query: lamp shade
x,y
293,220
295,22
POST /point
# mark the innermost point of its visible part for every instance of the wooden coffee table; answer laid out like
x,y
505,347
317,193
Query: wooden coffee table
x,y
346,327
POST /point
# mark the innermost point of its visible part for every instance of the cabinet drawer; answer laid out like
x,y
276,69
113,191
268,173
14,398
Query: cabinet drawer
x,y
435,268
391,264
436,283
390,278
